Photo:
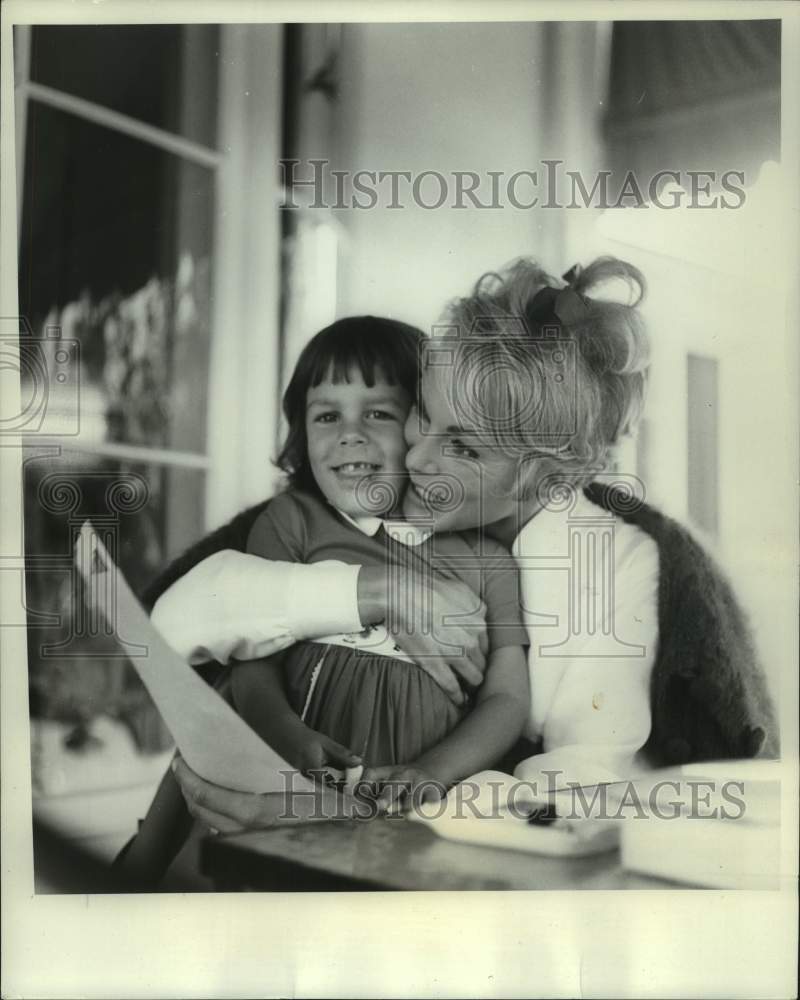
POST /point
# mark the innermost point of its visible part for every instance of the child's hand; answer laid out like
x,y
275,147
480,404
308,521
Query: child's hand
x,y
309,751
399,787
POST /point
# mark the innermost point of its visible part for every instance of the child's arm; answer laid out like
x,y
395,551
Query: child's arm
x,y
260,698
491,728
483,736
503,703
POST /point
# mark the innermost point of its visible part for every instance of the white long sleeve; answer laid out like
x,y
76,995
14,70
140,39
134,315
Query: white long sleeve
x,y
238,606
592,659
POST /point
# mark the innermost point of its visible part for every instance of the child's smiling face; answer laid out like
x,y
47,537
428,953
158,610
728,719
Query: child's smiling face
x,y
356,446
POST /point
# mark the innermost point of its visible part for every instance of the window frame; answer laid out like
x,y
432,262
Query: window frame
x,y
243,370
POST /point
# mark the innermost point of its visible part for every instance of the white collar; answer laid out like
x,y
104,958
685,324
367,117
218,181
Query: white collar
x,y
404,532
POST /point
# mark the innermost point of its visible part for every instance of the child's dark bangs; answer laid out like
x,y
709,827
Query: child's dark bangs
x,y
373,359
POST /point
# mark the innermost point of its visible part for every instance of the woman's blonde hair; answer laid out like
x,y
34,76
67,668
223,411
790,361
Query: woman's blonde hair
x,y
545,370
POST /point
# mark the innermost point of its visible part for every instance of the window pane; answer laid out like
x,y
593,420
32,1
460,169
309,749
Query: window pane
x,y
164,74
148,514
115,251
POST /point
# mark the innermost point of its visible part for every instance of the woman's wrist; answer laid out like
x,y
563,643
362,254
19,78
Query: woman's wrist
x,y
372,595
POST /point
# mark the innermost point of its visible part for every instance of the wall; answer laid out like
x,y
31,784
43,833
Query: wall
x,y
437,97
718,290
443,97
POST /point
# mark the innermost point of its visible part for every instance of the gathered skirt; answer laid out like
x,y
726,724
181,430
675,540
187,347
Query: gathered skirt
x,y
386,710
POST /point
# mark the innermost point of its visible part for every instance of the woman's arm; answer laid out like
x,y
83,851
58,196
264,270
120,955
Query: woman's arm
x,y
235,606
229,811
238,606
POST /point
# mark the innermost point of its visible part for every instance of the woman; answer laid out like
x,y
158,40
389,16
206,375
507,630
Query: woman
x,y
639,655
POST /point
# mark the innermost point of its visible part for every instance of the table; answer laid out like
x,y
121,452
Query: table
x,y
394,853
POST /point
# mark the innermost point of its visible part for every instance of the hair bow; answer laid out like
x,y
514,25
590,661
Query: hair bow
x,y
560,306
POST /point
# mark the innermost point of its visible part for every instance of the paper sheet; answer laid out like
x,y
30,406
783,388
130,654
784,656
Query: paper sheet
x,y
214,741
488,810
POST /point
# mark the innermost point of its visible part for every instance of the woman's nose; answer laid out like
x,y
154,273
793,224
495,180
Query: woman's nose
x,y
421,456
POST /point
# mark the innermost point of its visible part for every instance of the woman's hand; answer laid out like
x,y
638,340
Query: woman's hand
x,y
397,788
440,623
223,810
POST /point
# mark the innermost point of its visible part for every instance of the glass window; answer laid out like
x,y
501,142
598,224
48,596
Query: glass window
x,y
115,272
145,71
115,252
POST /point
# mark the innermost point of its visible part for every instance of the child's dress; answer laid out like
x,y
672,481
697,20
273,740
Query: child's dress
x,y
362,690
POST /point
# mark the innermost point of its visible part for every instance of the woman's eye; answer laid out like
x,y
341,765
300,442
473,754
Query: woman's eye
x,y
462,450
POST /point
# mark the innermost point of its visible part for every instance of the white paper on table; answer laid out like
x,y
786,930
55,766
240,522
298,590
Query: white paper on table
x,y
214,741
488,809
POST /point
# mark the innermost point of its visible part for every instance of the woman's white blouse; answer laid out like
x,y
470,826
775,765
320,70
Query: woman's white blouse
x,y
589,586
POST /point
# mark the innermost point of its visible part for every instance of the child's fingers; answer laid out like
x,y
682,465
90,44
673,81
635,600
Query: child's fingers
x,y
395,789
331,775
392,798
377,775
371,781
352,776
339,755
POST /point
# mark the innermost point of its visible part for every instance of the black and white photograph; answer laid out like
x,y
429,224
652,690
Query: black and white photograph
x,y
400,462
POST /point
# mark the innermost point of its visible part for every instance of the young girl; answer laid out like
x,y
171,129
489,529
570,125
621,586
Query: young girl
x,y
350,699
